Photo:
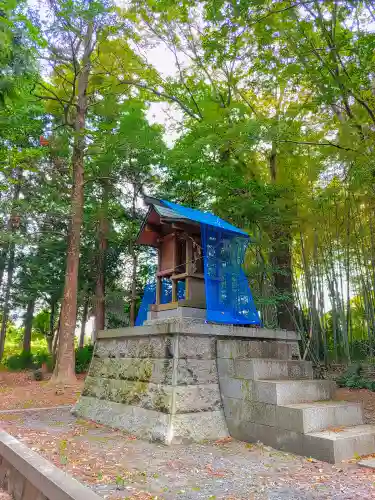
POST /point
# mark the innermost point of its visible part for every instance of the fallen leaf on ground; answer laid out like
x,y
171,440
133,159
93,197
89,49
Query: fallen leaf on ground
x,y
224,440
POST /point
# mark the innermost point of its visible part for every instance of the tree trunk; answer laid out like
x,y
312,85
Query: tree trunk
x,y
8,288
134,288
282,273
103,231
134,255
84,321
65,363
281,259
51,330
50,344
13,226
28,326
5,247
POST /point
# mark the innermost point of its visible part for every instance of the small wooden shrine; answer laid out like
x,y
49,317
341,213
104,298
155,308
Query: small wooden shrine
x,y
178,242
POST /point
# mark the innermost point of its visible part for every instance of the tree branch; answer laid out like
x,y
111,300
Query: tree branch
x,y
162,94
310,143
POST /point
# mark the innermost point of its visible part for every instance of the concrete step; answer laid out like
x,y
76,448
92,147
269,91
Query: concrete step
x,y
311,417
245,349
287,392
270,369
340,444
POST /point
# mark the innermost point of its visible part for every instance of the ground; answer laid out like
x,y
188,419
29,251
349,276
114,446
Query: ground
x,y
118,466
19,390
367,398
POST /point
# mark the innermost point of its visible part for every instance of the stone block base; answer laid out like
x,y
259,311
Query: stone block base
x,y
157,383
179,379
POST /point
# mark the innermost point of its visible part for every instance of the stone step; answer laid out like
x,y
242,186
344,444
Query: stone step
x,y
245,349
271,369
311,417
340,444
286,392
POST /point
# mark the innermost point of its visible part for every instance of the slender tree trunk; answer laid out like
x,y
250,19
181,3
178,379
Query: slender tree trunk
x,y
28,325
51,330
103,231
134,255
50,344
13,225
5,249
65,363
281,259
55,340
84,321
282,264
10,270
133,299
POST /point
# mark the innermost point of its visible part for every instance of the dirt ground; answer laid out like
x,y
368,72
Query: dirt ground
x,y
19,390
119,466
367,398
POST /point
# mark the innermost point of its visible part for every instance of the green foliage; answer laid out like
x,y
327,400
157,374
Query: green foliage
x,y
269,117
21,361
29,360
34,361
353,379
83,358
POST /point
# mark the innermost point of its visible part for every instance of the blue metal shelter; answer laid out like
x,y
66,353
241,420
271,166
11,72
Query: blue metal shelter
x,y
228,296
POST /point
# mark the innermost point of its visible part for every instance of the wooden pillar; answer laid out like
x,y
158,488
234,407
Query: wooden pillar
x,y
158,291
158,280
189,256
174,290
174,282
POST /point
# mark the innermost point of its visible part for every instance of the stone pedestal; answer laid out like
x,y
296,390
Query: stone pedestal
x,y
181,379
160,381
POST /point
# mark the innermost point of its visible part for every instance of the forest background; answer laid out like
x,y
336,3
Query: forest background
x,y
260,111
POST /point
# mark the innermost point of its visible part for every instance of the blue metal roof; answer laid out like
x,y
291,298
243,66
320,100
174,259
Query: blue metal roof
x,y
203,217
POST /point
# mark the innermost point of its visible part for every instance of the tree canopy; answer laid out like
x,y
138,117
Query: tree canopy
x,y
260,111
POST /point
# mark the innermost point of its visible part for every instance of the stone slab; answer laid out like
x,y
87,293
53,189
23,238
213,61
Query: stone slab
x,y
178,312
334,447
147,424
368,463
252,432
231,387
196,347
225,367
138,394
250,411
269,369
158,371
255,369
198,427
27,467
310,417
197,398
196,327
284,392
245,349
136,347
152,425
196,371
298,369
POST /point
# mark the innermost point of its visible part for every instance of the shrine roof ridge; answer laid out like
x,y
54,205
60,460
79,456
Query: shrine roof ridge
x,y
175,211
